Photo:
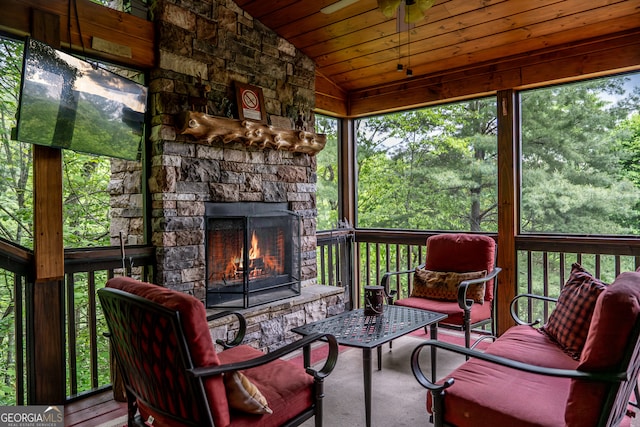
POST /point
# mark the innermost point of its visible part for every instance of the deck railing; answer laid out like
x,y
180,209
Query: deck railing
x,y
87,358
346,257
544,262
87,270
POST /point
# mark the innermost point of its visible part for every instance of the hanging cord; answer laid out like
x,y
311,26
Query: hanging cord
x,y
409,70
77,16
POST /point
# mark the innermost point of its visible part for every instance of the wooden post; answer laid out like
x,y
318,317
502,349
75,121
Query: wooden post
x,y
47,376
507,206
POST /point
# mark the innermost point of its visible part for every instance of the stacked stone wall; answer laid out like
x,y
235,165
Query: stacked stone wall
x,y
203,48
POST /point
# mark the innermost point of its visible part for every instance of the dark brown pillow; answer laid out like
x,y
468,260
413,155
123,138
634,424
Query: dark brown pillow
x,y
569,322
444,285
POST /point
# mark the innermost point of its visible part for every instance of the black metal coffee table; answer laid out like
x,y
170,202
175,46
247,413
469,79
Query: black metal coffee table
x,y
354,329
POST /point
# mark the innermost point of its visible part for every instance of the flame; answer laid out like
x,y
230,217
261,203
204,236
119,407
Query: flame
x,y
258,264
254,252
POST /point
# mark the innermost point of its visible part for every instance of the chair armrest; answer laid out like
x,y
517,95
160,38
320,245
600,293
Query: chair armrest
x,y
330,362
503,361
463,301
384,282
237,340
514,301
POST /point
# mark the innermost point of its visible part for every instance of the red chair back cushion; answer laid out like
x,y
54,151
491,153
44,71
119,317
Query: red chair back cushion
x,y
194,322
461,253
614,317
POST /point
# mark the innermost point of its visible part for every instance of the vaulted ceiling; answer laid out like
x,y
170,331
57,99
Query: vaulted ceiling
x,y
358,49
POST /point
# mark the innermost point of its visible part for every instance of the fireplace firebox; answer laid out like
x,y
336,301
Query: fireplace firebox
x,y
253,253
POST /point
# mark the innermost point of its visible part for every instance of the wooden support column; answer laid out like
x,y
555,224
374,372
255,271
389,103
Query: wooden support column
x,y
347,165
347,196
47,353
508,143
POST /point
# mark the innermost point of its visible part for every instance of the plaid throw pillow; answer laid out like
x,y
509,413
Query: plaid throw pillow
x,y
568,324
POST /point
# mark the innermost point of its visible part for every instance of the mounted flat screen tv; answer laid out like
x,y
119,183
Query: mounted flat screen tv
x,y
66,102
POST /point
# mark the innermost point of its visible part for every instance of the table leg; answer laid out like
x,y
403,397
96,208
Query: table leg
x,y
434,336
366,370
306,356
379,358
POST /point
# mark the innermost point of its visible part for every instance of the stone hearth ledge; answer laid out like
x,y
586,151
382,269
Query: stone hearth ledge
x,y
207,129
269,325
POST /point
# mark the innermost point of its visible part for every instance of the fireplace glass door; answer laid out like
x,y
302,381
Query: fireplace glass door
x,y
253,257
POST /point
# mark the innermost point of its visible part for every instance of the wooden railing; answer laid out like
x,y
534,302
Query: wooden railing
x,y
544,262
87,270
87,358
346,257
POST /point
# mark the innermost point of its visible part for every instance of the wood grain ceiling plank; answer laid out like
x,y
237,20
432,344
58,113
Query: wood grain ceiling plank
x,y
358,72
447,32
495,56
350,32
302,18
624,40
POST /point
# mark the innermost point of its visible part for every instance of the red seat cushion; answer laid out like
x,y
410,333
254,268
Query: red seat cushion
x,y
479,312
196,330
461,253
477,398
286,386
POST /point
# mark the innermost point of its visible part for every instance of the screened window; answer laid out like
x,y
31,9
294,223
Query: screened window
x,y
432,168
581,157
327,171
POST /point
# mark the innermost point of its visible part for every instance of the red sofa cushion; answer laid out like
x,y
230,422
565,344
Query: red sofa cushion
x,y
615,315
461,253
196,330
477,398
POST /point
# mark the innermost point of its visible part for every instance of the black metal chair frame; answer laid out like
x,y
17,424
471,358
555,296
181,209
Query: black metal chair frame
x,y
119,308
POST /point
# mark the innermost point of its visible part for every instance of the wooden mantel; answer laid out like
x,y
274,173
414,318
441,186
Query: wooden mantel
x,y
207,129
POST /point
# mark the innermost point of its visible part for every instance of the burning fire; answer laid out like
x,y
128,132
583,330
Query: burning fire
x,y
258,265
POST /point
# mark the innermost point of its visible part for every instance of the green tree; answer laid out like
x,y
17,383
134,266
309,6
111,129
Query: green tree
x,y
432,168
327,174
573,170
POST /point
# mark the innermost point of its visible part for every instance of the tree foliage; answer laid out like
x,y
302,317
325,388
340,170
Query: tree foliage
x,y
432,168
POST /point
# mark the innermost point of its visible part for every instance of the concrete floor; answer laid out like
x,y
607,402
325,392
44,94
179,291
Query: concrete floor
x,y
397,398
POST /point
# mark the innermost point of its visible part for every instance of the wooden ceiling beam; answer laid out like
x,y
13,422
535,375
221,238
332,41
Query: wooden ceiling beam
x,y
118,28
588,59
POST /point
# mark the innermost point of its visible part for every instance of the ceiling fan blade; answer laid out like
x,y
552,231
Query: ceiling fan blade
x,y
340,4
388,7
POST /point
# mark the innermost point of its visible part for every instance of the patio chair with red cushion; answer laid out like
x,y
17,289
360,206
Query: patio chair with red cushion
x,y
457,279
174,377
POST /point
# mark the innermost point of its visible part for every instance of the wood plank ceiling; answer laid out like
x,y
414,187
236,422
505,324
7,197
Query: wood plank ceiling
x,y
358,48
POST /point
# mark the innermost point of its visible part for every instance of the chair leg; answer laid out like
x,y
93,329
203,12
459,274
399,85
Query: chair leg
x,y
437,408
467,329
319,385
433,334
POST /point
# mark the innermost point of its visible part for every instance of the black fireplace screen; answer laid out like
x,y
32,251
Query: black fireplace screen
x,y
253,254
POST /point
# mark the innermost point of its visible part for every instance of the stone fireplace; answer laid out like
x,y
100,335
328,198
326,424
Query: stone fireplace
x,y
203,48
252,254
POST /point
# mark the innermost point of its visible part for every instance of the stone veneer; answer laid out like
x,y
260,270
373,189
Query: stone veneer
x,y
204,46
